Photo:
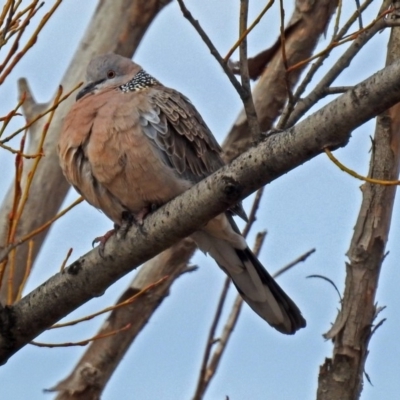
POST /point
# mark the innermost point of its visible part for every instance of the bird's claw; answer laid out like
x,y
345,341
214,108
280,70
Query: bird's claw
x,y
143,213
103,240
127,220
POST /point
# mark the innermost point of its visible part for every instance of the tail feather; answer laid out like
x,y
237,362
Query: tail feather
x,y
278,309
256,286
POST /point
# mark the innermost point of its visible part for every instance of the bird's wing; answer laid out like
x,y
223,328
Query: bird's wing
x,y
181,137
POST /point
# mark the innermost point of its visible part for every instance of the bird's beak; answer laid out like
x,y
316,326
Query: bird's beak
x,y
88,88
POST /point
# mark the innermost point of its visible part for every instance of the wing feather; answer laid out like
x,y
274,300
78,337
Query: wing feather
x,y
182,138
177,130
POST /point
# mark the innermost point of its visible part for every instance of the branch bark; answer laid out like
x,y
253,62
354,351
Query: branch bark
x,y
90,376
91,275
341,377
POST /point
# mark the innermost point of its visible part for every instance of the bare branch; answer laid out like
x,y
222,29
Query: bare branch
x,y
209,366
244,73
308,22
102,357
353,327
343,62
196,25
204,375
292,264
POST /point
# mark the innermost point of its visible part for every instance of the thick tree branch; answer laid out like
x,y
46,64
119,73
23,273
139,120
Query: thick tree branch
x,y
89,276
341,377
103,356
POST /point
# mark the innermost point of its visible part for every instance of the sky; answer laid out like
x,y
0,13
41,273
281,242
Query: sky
x,y
314,206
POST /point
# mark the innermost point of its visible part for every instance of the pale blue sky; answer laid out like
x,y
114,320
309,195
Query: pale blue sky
x,y
314,206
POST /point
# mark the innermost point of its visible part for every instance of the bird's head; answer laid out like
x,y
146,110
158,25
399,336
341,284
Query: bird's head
x,y
107,71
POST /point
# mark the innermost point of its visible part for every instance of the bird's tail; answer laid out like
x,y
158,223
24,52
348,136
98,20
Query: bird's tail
x,y
256,286
270,302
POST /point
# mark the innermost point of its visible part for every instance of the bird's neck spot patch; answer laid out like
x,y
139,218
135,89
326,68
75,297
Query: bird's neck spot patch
x,y
140,81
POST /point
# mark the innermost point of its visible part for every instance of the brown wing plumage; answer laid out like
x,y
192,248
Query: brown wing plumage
x,y
182,138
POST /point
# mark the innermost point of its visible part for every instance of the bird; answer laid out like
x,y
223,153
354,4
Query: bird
x,y
129,144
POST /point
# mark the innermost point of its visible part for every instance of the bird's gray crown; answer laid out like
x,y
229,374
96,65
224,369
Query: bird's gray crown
x,y
101,65
140,81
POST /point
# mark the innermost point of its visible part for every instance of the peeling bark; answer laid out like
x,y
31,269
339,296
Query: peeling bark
x,y
341,377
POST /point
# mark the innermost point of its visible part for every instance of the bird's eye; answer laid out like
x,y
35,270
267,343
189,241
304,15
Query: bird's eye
x,y
110,74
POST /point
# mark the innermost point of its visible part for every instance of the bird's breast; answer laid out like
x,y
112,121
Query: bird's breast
x,y
105,155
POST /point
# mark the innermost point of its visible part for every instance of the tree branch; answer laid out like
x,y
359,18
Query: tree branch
x,y
342,63
309,20
341,377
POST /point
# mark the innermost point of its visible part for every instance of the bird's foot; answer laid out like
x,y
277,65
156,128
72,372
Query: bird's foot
x,y
144,212
127,221
103,240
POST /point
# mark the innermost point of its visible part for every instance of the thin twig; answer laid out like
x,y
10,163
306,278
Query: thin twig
x,y
222,342
337,20
328,280
248,30
283,50
37,117
248,102
18,152
315,67
124,303
5,251
19,165
32,39
292,264
7,8
25,194
27,269
12,114
201,382
49,222
186,13
23,25
253,211
360,23
343,62
13,26
84,342
203,376
66,258
358,176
